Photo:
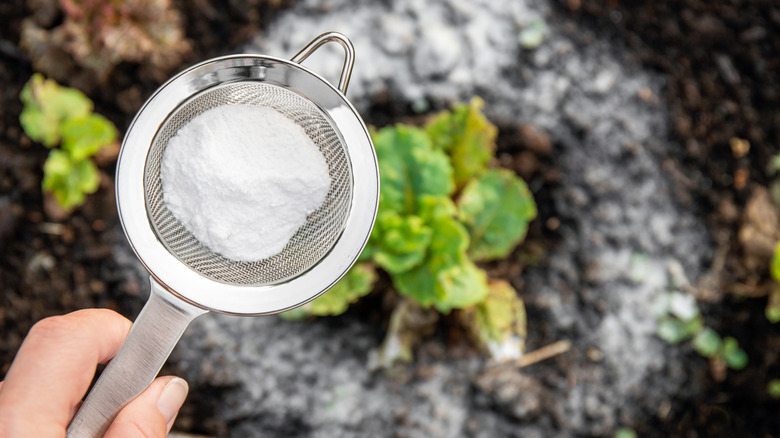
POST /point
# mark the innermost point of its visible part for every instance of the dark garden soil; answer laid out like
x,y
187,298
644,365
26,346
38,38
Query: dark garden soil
x,y
723,66
722,61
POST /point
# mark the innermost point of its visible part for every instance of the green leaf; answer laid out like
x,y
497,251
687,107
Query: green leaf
x,y
47,105
625,432
84,136
69,180
85,176
434,208
674,331
401,241
468,137
447,278
737,360
693,326
419,284
735,357
706,342
448,243
410,168
39,126
463,284
533,34
773,388
683,306
498,323
357,283
775,268
496,207
773,305
773,168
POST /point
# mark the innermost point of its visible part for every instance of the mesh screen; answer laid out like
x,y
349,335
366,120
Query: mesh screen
x,y
309,244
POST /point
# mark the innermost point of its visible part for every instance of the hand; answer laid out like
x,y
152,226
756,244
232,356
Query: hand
x,y
54,367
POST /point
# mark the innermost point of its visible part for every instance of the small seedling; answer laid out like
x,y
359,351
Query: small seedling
x,y
55,115
730,352
680,320
773,304
707,342
533,34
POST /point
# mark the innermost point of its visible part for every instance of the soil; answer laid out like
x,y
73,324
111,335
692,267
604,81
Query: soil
x,y
720,60
722,64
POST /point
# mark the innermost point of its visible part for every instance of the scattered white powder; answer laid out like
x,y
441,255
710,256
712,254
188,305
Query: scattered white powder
x,y
242,179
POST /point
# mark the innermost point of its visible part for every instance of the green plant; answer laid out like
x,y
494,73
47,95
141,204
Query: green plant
x,y
442,209
55,115
680,321
355,284
533,34
773,388
773,303
625,432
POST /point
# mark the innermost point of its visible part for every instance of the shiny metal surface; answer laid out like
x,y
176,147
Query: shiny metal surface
x,y
181,290
349,55
191,285
312,240
152,337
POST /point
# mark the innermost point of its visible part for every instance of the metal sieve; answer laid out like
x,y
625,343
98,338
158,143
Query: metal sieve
x,y
310,243
187,278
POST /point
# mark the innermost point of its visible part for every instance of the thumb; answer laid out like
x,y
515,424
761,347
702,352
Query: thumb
x,y
152,413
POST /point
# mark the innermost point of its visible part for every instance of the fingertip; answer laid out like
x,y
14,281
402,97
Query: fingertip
x,y
171,399
152,413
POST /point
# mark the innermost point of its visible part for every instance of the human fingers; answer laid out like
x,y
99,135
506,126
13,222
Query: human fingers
x,y
152,413
53,369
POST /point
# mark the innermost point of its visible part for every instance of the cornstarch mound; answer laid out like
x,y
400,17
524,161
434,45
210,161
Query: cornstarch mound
x,y
242,179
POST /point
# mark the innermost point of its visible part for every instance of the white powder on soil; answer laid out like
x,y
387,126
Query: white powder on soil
x,y
242,179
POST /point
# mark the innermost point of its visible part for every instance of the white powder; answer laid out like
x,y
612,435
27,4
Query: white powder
x,y
242,180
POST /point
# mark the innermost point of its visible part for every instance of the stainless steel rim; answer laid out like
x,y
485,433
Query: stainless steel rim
x,y
229,298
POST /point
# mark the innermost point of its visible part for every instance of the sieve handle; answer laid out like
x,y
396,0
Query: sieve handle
x,y
154,334
349,54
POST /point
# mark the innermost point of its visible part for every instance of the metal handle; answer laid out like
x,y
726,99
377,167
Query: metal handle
x,y
151,339
349,55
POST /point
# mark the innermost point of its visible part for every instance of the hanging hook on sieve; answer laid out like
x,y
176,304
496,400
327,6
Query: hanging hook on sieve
x,y
349,55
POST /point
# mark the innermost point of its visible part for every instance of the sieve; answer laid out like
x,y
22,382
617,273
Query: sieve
x,y
187,278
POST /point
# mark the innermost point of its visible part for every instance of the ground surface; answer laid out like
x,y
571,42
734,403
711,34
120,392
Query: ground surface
x,y
620,121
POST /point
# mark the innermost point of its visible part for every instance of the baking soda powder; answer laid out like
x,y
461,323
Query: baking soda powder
x,y
242,179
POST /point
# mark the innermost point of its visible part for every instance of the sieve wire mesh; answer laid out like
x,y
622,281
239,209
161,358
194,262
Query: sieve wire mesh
x,y
309,244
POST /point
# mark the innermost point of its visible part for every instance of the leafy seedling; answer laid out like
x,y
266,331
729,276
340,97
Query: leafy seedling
x,y
680,320
47,106
54,115
707,342
730,352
